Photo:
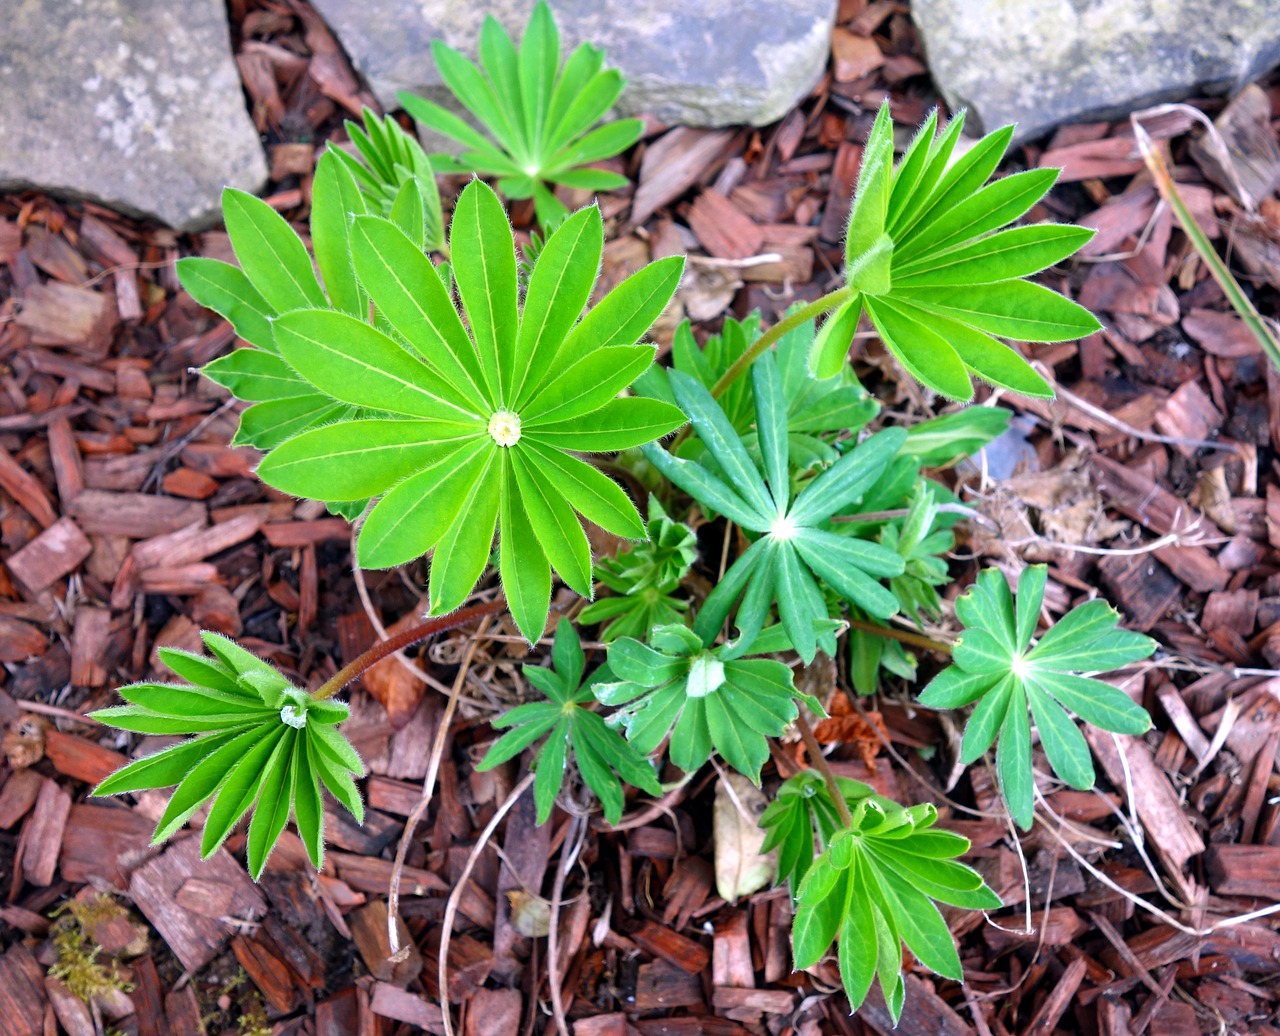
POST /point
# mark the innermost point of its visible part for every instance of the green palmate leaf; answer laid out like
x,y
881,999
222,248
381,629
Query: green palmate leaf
x,y
872,886
703,697
573,732
258,740
793,551
1000,665
937,275
537,113
486,404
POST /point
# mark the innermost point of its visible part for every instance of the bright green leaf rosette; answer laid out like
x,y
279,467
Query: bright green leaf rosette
x,y
939,279
259,743
538,113
463,428
1000,666
704,697
573,732
794,550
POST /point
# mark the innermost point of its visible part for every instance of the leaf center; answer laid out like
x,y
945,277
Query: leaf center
x,y
783,528
504,426
706,674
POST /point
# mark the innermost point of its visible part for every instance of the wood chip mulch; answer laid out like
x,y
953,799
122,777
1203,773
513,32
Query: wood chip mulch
x,y
128,523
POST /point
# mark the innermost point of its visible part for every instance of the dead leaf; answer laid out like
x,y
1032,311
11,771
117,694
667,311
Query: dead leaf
x,y
530,914
741,868
845,726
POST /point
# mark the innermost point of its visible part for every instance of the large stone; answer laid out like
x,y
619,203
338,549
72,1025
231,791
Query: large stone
x,y
701,63
1043,62
136,104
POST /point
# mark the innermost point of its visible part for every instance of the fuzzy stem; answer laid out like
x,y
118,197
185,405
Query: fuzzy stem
x,y
916,640
400,641
819,762
787,324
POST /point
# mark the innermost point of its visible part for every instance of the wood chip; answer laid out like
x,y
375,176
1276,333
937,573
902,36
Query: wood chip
x,y
674,163
1152,797
135,515
390,1001
1220,334
691,957
20,641
22,996
1188,414
194,939
662,984
42,834
104,844
62,314
1244,870
854,56
723,229
302,534
29,493
18,795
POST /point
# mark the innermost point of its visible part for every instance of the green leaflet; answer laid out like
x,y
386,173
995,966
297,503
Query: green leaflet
x,y
871,886
275,276
793,552
1000,665
576,733
935,273
537,113
258,739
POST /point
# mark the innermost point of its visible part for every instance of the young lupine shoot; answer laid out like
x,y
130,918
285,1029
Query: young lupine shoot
x,y
873,886
941,282
643,580
1000,665
393,161
258,743
537,114
707,698
573,732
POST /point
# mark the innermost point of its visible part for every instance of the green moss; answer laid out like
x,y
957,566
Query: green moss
x,y
83,966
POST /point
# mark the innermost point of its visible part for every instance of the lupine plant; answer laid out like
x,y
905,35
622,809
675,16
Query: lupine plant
x,y
468,403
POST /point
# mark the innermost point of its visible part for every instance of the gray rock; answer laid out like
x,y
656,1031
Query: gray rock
x,y
697,62
136,104
1043,62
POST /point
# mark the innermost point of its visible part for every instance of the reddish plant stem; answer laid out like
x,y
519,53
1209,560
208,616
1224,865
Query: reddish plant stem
x,y
405,638
819,762
916,640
